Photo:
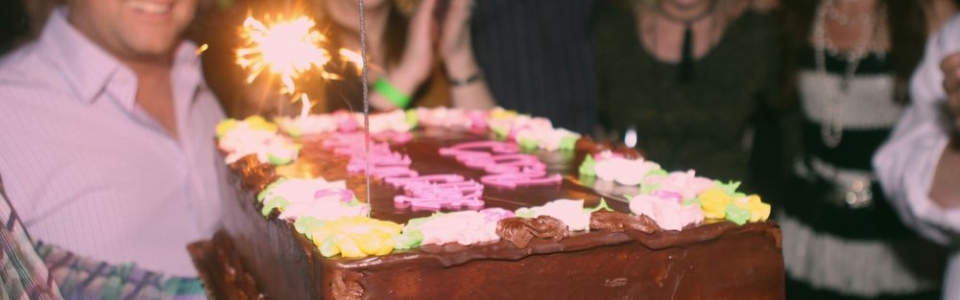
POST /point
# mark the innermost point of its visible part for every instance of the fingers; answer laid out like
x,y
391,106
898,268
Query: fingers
x,y
950,66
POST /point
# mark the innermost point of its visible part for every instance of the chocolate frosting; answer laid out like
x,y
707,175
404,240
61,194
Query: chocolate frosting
x,y
520,231
620,222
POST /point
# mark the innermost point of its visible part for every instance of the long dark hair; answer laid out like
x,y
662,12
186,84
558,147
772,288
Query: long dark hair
x,y
907,25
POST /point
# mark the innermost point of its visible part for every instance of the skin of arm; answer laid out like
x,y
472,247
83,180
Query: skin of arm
x,y
945,190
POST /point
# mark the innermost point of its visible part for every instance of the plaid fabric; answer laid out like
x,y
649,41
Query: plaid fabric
x,y
22,272
85,278
48,272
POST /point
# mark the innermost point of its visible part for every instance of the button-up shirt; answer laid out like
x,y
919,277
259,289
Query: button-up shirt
x,y
905,165
90,171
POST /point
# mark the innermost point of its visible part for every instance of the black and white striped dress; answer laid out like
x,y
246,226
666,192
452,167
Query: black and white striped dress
x,y
840,235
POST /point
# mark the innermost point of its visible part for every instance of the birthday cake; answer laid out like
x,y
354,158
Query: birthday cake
x,y
478,205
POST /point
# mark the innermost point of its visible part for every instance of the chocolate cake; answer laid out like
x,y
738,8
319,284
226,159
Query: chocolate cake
x,y
622,255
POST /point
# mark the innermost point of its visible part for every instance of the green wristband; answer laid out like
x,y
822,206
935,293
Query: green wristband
x,y
391,92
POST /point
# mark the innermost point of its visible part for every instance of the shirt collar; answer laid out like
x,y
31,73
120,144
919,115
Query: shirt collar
x,y
88,69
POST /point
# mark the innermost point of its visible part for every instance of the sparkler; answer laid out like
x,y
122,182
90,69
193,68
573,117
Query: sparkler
x,y
286,48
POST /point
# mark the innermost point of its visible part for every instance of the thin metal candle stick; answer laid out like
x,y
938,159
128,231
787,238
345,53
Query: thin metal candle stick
x,y
366,96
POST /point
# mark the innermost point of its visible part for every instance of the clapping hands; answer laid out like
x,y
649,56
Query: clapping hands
x,y
951,84
428,38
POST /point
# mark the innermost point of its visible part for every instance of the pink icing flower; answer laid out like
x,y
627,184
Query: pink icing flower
x,y
686,184
668,213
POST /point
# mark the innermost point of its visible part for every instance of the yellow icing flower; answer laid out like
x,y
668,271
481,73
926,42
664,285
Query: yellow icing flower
x,y
714,203
226,125
759,211
356,237
500,113
258,122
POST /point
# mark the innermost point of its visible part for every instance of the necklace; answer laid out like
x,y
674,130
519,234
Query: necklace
x,y
686,55
832,129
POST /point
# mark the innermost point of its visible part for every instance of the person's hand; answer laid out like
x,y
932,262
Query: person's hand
x,y
454,45
417,60
951,84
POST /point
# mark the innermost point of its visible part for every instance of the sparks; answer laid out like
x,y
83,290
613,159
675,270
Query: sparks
x,y
286,48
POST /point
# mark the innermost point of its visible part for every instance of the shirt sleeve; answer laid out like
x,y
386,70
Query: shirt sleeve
x,y
906,164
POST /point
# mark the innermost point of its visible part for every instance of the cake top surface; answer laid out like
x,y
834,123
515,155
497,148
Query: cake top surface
x,y
455,177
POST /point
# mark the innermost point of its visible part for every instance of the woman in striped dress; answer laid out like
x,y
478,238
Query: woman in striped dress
x,y
848,64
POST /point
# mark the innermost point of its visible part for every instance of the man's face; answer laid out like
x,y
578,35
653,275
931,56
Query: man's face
x,y
133,29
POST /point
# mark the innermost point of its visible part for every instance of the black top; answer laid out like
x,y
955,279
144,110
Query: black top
x,y
537,57
700,125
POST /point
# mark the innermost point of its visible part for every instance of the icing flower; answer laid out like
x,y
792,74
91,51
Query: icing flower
x,y
724,202
686,184
570,212
714,202
255,135
759,211
624,171
394,121
315,198
668,213
355,237
464,228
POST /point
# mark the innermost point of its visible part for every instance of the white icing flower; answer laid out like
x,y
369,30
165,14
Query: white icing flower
x,y
624,171
464,227
570,212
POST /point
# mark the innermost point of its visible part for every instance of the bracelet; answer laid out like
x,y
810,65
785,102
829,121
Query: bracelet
x,y
462,82
391,92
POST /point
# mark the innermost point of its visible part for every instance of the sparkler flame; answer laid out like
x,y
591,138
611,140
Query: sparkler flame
x,y
286,48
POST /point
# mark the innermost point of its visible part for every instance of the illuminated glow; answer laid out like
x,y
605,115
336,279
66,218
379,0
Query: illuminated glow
x,y
286,48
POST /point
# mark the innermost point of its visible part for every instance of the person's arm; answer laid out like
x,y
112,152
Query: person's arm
x,y
912,166
468,89
415,65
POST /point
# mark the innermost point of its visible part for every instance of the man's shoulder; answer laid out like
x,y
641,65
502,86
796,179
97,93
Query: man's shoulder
x,y
26,76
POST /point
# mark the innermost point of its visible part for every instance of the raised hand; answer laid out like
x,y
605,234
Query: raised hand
x,y
454,45
418,56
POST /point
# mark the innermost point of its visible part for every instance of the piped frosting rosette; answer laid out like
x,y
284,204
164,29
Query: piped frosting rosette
x,y
616,168
396,121
255,135
452,118
316,199
463,227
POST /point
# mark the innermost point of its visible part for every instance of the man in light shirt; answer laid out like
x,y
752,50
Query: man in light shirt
x,y
919,166
106,143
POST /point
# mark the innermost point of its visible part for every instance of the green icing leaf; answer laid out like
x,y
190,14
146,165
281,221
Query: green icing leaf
x,y
408,240
587,180
603,205
569,142
657,172
649,188
275,202
691,201
294,131
738,195
412,118
526,213
328,247
501,133
305,225
729,188
528,144
269,189
737,215
588,167
277,161
355,202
